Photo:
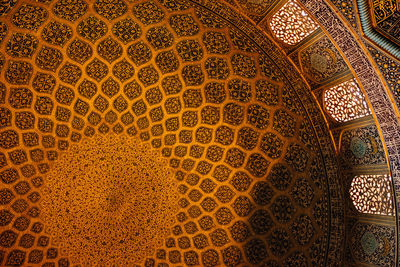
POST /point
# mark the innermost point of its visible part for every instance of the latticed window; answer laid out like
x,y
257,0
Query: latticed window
x,y
291,23
345,102
372,194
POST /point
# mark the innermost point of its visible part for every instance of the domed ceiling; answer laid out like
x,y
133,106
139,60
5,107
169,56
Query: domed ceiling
x,y
158,132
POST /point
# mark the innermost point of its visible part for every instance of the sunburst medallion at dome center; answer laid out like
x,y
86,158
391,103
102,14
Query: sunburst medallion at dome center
x,y
107,197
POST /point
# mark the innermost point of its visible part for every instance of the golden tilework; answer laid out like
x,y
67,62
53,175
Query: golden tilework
x,y
109,199
382,10
187,144
385,17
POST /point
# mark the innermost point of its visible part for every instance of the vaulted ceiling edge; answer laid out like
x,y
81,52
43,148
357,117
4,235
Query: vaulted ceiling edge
x,y
335,252
380,29
378,95
175,75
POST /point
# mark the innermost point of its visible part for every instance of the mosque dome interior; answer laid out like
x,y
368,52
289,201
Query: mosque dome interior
x,y
199,132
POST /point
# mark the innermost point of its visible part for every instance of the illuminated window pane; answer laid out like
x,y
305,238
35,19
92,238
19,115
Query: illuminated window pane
x,y
291,23
372,194
345,102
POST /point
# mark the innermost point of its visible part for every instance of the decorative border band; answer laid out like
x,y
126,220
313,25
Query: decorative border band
x,y
371,33
374,88
335,251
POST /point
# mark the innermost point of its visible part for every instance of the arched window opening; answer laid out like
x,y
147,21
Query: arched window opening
x,y
372,194
345,102
291,24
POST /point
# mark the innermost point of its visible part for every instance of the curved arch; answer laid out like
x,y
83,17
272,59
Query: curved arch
x,y
335,233
379,98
